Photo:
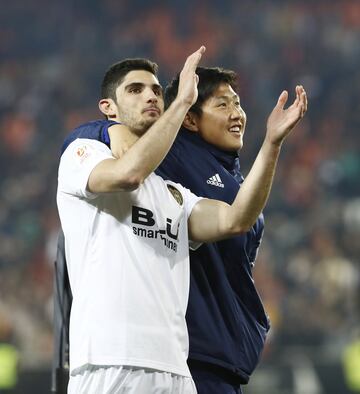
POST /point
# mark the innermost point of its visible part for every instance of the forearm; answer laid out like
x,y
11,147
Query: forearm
x,y
138,160
254,192
213,220
149,151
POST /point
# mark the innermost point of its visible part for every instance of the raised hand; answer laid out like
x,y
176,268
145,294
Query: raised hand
x,y
282,121
188,80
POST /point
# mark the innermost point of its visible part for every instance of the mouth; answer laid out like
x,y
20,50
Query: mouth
x,y
152,110
236,129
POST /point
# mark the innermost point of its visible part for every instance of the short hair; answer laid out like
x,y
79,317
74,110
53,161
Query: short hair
x,y
209,80
117,72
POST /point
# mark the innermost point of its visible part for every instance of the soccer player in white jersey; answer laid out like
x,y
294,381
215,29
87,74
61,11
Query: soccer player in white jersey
x,y
127,233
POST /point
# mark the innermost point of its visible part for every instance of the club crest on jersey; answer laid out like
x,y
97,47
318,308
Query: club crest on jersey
x,y
176,194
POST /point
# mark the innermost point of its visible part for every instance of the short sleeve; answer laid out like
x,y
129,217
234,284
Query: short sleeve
x,y
190,200
76,164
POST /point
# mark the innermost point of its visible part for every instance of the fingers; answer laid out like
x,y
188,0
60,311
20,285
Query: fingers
x,y
298,92
300,102
197,54
301,99
305,101
202,49
188,79
297,95
282,99
193,60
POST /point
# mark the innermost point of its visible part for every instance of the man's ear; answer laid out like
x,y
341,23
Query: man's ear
x,y
190,122
108,107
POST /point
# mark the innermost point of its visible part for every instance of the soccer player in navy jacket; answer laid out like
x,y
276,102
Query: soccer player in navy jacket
x,y
226,320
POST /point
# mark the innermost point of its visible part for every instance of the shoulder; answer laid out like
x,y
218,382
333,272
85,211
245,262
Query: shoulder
x,y
95,130
83,149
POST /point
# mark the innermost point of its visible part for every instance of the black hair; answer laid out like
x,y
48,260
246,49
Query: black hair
x,y
209,80
117,72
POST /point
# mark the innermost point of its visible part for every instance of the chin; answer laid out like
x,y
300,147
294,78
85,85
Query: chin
x,y
235,147
144,126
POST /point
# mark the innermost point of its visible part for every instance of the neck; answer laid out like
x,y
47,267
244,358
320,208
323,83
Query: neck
x,y
122,139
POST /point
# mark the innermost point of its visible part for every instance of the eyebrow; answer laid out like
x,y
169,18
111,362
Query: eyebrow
x,y
141,85
235,96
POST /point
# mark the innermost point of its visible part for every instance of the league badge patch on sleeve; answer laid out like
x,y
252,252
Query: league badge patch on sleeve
x,y
82,153
176,194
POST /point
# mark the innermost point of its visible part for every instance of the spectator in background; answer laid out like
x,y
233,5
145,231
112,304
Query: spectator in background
x,y
9,357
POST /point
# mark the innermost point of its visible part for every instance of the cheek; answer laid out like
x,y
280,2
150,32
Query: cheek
x,y
213,125
212,132
209,125
161,105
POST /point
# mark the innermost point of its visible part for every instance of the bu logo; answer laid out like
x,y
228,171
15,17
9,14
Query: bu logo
x,y
145,217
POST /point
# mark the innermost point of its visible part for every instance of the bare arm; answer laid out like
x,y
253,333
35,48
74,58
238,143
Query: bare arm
x,y
133,165
212,220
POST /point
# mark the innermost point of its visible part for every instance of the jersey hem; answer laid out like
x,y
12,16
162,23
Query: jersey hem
x,y
133,363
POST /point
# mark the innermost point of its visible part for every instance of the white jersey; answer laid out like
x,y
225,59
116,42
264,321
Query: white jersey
x,y
128,262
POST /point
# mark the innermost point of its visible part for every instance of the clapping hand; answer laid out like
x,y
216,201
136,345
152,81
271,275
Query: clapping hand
x,y
282,121
188,80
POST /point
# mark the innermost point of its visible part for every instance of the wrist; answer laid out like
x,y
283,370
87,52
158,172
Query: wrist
x,y
181,104
271,141
273,144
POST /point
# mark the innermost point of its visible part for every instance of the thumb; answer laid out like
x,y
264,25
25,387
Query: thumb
x,y
282,99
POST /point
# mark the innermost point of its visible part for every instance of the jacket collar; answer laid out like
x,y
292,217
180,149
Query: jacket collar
x,y
230,160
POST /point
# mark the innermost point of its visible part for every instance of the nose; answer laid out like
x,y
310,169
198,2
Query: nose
x,y
237,113
151,96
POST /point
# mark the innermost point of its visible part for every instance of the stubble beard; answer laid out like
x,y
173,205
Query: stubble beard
x,y
142,127
136,125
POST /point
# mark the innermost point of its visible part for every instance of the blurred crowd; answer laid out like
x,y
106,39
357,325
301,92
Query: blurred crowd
x,y
52,58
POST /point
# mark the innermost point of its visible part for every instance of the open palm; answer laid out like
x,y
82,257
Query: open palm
x,y
281,121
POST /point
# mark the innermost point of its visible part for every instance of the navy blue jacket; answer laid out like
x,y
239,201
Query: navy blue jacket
x,y
226,320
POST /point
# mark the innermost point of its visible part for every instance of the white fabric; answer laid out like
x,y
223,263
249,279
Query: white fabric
x,y
94,379
130,282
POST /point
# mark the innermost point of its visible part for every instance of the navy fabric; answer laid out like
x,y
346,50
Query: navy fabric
x,y
226,320
96,130
211,379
